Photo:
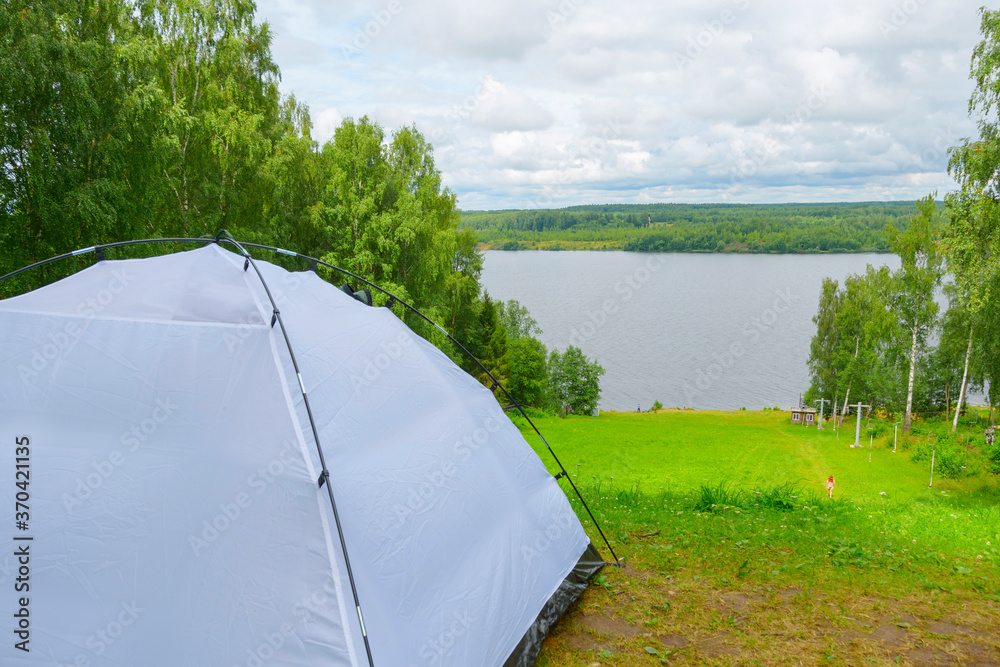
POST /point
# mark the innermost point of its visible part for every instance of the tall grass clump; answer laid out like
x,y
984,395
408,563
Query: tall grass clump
x,y
718,497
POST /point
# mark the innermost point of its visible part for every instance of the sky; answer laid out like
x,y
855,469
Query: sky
x,y
551,103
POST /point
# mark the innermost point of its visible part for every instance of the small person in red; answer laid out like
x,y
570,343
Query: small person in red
x,y
829,486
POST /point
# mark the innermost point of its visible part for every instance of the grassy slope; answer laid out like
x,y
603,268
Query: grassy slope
x,y
681,450
906,578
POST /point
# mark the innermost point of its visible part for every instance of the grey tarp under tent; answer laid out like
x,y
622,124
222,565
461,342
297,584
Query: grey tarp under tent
x,y
233,466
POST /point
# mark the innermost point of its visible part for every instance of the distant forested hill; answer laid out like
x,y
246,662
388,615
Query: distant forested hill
x,y
836,227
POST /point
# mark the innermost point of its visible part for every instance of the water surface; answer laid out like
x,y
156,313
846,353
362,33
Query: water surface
x,y
708,331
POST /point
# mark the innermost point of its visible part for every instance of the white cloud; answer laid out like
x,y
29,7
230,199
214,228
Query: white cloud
x,y
499,109
325,122
574,101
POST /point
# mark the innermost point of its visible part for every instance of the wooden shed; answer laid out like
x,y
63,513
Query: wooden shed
x,y
806,416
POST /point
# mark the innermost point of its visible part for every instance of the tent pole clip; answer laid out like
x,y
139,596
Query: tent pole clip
x,y
274,317
560,474
324,477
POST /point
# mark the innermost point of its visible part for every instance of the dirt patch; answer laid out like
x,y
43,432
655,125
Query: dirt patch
x,y
608,625
948,629
585,641
891,637
719,645
788,593
641,576
674,641
981,656
929,657
738,601
848,637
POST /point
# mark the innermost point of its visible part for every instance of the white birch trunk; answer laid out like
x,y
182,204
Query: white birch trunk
x,y
965,382
909,389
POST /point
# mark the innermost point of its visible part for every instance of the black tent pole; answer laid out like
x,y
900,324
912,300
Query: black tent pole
x,y
225,237
325,474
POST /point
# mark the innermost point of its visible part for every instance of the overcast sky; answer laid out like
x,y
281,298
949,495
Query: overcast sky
x,y
547,103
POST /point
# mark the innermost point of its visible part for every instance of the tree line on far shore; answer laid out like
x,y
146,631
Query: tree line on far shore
x,y
742,228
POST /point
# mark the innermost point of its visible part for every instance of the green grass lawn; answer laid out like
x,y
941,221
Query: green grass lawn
x,y
708,508
678,451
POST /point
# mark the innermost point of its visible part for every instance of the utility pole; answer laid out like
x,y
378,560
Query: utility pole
x,y
857,430
821,401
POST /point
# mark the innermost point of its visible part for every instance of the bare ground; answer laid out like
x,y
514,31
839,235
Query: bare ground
x,y
642,617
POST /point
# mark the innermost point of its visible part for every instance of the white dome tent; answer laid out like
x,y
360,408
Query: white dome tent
x,y
212,461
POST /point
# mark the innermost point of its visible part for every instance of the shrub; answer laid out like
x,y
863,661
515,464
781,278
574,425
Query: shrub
x,y
782,497
993,459
575,380
716,498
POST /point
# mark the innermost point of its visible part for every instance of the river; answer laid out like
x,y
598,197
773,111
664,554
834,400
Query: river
x,y
705,331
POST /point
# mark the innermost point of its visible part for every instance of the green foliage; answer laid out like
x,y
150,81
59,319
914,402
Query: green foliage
x,y
697,227
490,347
871,336
913,286
575,380
517,320
527,371
75,127
993,459
972,236
162,118
718,497
854,351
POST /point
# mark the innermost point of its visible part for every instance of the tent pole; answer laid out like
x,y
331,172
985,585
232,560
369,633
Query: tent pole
x,y
471,356
224,237
325,475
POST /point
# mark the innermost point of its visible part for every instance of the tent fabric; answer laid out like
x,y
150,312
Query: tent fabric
x,y
175,515
572,587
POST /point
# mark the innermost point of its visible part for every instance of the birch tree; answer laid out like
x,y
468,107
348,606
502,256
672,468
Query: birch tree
x,y
913,285
972,235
